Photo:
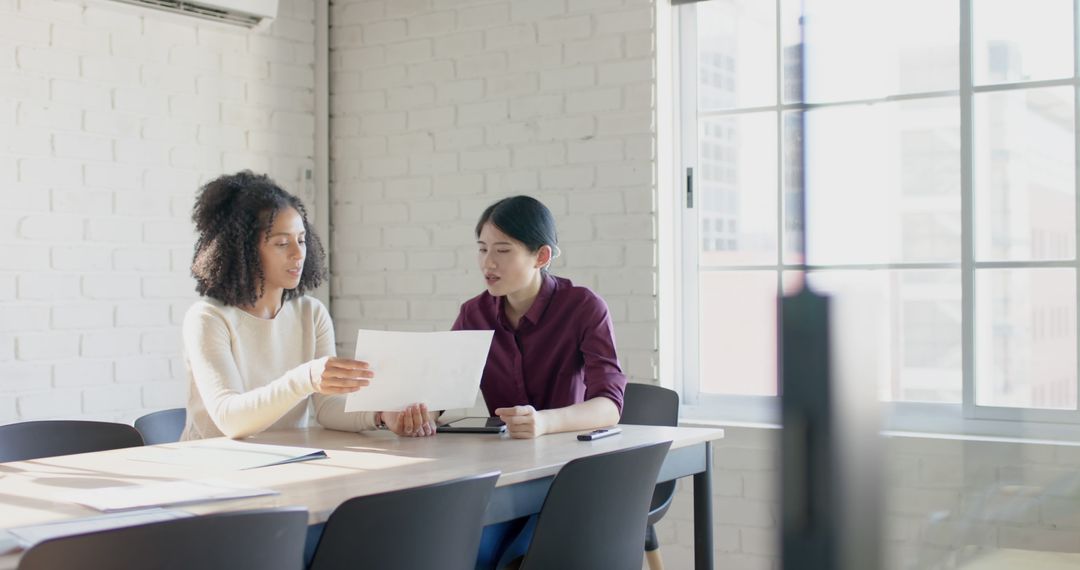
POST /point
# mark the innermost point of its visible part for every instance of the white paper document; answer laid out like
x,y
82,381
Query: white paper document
x,y
226,454
109,499
8,542
440,369
30,535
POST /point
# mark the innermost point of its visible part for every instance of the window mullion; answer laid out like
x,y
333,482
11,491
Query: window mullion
x,y
781,234
967,214
1076,182
688,101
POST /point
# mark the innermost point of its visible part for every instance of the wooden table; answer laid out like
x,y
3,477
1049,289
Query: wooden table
x,y
361,464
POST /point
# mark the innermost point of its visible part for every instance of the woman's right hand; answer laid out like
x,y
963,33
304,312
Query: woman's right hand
x,y
413,421
332,375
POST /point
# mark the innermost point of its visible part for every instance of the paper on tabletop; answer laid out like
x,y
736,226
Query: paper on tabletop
x,y
225,454
110,499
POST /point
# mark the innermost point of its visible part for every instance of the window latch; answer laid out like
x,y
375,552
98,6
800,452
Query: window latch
x,y
690,187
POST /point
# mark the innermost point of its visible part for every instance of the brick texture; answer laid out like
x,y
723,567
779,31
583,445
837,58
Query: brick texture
x,y
443,108
111,116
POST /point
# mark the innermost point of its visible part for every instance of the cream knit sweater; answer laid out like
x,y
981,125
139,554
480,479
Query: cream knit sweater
x,y
247,375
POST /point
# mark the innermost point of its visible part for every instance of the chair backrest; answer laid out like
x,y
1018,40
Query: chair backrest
x,y
648,405
595,513
162,427
268,539
32,440
434,526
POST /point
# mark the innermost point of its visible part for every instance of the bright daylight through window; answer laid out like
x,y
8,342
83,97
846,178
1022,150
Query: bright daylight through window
x,y
941,185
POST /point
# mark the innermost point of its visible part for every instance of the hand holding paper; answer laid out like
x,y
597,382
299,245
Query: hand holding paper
x,y
413,421
340,375
439,369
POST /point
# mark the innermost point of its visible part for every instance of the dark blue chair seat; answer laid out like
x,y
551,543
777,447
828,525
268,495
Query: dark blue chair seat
x,y
271,539
434,526
648,405
596,512
162,427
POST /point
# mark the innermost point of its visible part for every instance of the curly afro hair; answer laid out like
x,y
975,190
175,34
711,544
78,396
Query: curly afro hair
x,y
232,215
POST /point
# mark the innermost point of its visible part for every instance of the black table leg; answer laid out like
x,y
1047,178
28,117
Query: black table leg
x,y
703,523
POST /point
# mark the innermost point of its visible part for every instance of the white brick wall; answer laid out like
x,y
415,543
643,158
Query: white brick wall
x,y
745,506
441,107
110,118
948,499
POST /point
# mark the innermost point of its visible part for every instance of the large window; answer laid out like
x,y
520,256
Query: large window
x,y
940,171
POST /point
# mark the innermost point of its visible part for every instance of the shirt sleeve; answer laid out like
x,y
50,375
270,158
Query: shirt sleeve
x,y
330,409
603,375
235,412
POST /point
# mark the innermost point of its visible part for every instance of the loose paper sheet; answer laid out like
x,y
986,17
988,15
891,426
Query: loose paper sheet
x,y
110,499
28,536
226,454
8,542
440,369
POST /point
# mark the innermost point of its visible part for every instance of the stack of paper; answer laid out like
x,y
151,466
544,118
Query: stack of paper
x,y
8,542
28,536
226,454
109,499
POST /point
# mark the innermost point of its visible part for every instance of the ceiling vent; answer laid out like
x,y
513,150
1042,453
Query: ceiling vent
x,y
247,13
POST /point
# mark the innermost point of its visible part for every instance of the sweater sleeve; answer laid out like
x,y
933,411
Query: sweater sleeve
x,y
238,414
330,409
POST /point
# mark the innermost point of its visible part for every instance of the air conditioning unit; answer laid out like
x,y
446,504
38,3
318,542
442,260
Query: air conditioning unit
x,y
247,13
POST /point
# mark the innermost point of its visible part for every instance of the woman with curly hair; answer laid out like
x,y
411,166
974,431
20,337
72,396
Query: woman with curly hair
x,y
256,347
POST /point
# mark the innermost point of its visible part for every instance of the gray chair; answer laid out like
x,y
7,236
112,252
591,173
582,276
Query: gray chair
x,y
434,526
269,539
162,427
648,405
596,512
34,440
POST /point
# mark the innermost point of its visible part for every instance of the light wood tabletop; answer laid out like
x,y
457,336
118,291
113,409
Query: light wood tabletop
x,y
33,492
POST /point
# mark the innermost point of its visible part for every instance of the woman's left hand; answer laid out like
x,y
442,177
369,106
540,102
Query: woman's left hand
x,y
523,422
413,421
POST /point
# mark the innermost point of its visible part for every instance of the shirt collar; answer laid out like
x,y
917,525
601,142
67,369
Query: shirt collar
x,y
540,304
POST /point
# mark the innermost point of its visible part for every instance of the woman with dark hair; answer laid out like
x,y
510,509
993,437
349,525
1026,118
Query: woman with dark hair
x,y
552,366
256,347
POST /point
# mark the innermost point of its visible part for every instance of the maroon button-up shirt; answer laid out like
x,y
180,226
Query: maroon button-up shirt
x,y
562,353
